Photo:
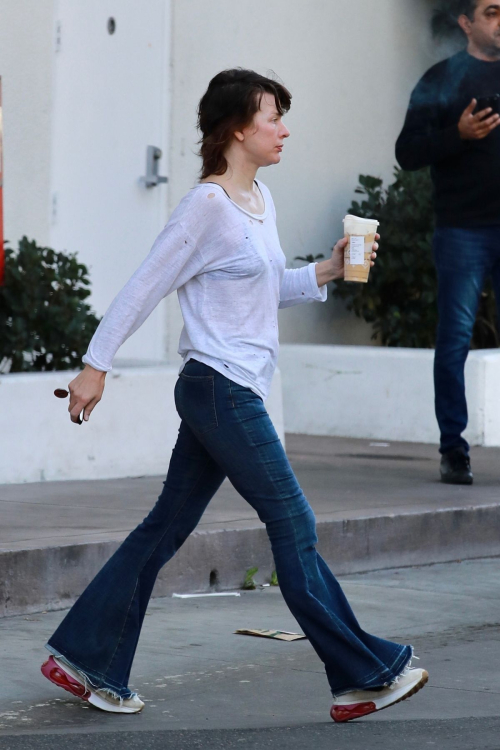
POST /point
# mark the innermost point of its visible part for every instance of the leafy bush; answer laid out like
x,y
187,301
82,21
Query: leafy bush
x,y
400,300
44,322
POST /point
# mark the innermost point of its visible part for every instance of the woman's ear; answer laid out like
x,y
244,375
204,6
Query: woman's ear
x,y
239,135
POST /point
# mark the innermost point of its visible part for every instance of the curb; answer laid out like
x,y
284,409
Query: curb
x,y
51,578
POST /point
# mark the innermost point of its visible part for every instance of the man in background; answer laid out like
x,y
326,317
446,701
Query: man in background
x,y
452,125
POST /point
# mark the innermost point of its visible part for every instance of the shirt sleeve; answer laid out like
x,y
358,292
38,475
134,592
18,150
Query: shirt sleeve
x,y
423,141
300,285
172,261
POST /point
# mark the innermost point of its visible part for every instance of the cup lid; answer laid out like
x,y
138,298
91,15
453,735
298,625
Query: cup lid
x,y
360,220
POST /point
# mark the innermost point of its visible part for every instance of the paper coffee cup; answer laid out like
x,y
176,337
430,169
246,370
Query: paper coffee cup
x,y
361,234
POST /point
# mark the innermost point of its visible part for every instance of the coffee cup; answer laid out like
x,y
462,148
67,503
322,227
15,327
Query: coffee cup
x,y
357,255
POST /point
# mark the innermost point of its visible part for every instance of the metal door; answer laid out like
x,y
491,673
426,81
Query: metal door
x,y
111,65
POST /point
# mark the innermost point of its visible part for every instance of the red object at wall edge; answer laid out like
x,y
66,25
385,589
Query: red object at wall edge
x,y
2,252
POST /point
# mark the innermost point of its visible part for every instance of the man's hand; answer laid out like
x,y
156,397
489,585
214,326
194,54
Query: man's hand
x,y
475,127
85,392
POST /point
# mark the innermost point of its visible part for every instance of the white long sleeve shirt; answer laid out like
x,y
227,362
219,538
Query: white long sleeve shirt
x,y
228,269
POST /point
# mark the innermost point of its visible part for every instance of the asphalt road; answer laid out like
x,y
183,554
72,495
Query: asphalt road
x,y
205,687
464,734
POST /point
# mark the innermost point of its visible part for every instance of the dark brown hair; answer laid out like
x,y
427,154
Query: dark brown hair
x,y
445,17
229,104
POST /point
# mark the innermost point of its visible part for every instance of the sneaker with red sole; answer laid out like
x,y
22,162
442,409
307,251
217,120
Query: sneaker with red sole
x,y
360,703
69,679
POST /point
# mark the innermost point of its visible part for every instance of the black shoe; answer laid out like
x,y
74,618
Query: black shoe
x,y
455,467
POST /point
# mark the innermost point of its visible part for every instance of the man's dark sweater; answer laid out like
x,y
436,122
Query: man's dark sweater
x,y
466,174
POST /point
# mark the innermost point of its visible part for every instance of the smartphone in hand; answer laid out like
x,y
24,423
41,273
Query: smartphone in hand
x,y
484,102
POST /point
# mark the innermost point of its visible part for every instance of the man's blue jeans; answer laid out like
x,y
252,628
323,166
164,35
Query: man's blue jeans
x,y
464,258
225,431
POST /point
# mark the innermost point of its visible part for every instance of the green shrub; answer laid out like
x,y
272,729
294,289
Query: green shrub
x,y
400,300
249,583
44,322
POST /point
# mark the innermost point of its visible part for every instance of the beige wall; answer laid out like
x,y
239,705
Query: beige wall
x,y
350,74
26,46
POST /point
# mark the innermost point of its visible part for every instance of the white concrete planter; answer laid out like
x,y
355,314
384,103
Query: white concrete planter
x,y
382,393
131,432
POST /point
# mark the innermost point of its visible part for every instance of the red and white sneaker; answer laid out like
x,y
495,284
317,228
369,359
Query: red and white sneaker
x,y
69,679
360,703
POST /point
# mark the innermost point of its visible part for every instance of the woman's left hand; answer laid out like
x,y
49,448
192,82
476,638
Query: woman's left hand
x,y
338,257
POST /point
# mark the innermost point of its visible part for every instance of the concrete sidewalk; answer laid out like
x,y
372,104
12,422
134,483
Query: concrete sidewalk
x,y
378,505
205,687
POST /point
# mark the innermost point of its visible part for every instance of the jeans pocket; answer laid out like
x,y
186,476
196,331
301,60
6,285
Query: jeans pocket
x,y
195,402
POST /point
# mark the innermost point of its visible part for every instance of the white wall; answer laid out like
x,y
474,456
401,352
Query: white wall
x,y
382,393
131,432
26,45
350,67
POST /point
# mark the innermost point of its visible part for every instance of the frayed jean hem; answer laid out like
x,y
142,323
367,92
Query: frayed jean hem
x,y
379,680
92,680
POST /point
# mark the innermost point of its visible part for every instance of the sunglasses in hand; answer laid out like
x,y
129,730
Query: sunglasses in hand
x,y
62,393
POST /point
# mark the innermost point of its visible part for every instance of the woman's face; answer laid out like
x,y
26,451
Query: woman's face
x,y
263,139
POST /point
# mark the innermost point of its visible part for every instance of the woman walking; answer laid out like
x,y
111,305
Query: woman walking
x,y
220,251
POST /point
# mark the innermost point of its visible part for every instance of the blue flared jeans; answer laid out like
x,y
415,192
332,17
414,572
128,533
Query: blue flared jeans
x,y
225,431
464,259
